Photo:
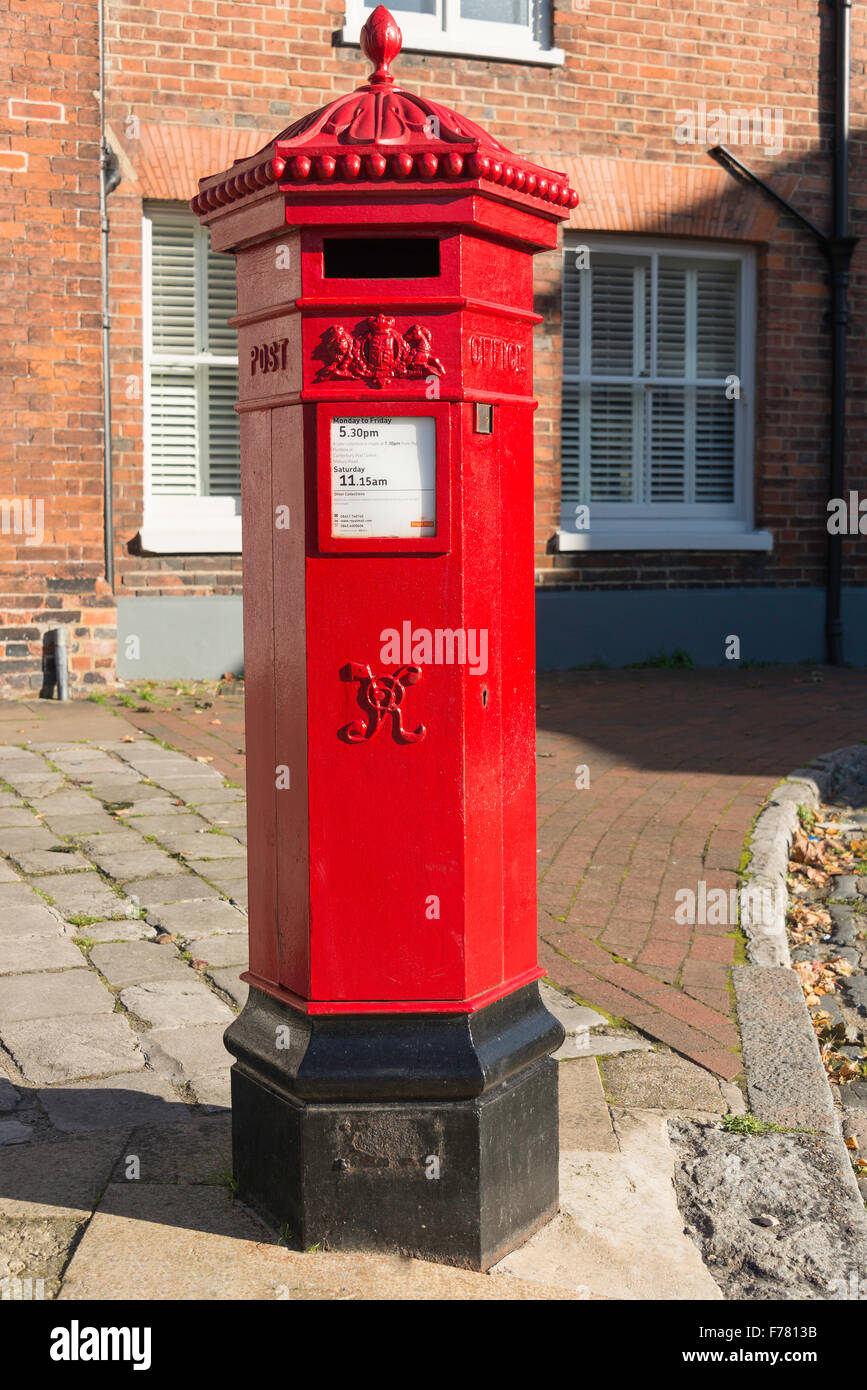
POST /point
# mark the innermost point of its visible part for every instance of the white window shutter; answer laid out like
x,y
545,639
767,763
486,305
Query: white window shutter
x,y
716,320
224,435
192,428
671,332
714,446
614,443
174,431
173,283
613,318
667,447
221,303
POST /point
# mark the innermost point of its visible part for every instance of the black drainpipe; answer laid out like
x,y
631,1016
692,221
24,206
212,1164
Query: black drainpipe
x,y
838,249
839,252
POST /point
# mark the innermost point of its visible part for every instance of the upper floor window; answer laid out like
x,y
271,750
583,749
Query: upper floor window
x,y
191,433
657,397
514,30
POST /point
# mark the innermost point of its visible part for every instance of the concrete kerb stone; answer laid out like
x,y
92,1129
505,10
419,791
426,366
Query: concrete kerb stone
x,y
764,898
786,1081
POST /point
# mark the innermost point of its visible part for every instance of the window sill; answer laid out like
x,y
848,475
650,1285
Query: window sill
x,y
191,526
635,539
454,46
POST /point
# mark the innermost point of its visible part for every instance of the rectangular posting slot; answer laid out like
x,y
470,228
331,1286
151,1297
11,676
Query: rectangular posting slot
x,y
381,258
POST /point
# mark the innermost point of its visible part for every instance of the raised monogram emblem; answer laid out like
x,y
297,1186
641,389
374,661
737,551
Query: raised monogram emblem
x,y
383,696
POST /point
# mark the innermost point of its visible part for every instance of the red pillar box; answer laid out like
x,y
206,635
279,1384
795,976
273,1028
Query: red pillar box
x,y
393,1087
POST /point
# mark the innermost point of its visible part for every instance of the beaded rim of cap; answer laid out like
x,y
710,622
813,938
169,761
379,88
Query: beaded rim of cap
x,y
382,133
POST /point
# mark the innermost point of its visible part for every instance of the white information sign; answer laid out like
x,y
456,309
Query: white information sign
x,y
383,476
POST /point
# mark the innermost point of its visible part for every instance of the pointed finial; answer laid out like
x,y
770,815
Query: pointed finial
x,y
381,41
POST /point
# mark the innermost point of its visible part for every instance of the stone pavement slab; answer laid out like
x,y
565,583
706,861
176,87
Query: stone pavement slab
x,y
665,1081
73,823
179,1054
49,1052
213,1090
167,828
209,801
22,923
174,1003
9,1096
113,1102
41,953
14,1132
194,920
16,816
52,995
227,815
208,846
20,838
183,887
585,1121
129,867
134,962
114,929
57,1180
197,1153
619,1233
218,951
230,982
119,840
60,860
191,1243
70,801
84,894
229,875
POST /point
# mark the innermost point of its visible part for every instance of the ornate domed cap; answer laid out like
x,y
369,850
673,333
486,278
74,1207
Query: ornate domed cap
x,y
381,133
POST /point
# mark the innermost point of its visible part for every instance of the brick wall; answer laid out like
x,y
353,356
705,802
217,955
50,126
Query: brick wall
x,y
229,72
630,69
51,543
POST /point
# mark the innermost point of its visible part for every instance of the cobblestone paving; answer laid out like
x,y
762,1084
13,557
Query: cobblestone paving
x,y
119,963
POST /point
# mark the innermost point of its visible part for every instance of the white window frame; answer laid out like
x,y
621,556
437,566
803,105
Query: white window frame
x,y
181,525
446,32
676,526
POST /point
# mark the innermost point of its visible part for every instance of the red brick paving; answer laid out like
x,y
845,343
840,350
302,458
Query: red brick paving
x,y
679,763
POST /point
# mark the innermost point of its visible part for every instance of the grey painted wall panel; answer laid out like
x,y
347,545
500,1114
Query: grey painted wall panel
x,y
202,637
575,628
190,638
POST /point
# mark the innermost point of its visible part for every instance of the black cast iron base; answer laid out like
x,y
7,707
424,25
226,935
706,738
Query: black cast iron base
x,y
430,1134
